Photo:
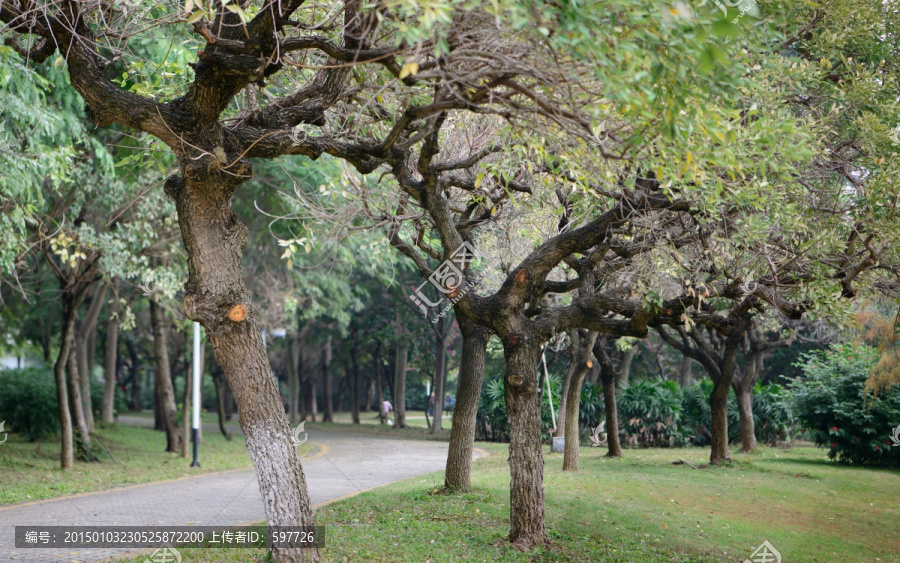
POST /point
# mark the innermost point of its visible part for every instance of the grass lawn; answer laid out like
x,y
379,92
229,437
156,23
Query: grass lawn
x,y
640,508
30,470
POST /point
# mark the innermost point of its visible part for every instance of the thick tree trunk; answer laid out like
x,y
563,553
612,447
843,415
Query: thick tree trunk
x,y
62,392
462,433
327,382
166,396
745,411
110,361
718,402
526,462
614,449
216,297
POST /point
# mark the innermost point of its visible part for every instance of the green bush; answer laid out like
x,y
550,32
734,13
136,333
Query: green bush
x,y
696,414
492,423
838,412
593,410
28,402
773,418
650,412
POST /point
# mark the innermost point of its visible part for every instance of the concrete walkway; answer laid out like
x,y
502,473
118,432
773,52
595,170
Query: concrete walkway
x,y
345,464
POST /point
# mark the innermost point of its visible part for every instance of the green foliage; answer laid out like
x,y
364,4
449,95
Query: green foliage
x,y
28,402
650,413
773,419
492,422
835,408
592,409
696,414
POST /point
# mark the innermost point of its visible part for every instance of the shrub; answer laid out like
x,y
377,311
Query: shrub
x,y
28,401
696,414
773,418
650,412
593,410
838,412
492,424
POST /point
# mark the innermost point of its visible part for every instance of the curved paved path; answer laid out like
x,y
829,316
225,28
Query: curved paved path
x,y
345,464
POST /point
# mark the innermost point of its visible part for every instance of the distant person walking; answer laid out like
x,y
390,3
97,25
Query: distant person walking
x,y
388,407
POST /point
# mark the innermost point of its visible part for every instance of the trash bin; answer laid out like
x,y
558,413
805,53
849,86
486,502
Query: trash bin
x,y
558,446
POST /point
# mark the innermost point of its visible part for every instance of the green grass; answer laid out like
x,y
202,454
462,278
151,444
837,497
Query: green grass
x,y
30,470
640,508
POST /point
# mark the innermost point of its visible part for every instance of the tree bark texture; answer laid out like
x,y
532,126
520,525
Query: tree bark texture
x,y
526,462
166,396
718,402
62,392
613,447
215,296
83,443
458,473
582,361
84,335
574,340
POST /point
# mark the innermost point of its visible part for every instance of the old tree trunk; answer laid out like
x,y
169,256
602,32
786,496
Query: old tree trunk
x,y
462,433
165,392
581,359
526,462
217,298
